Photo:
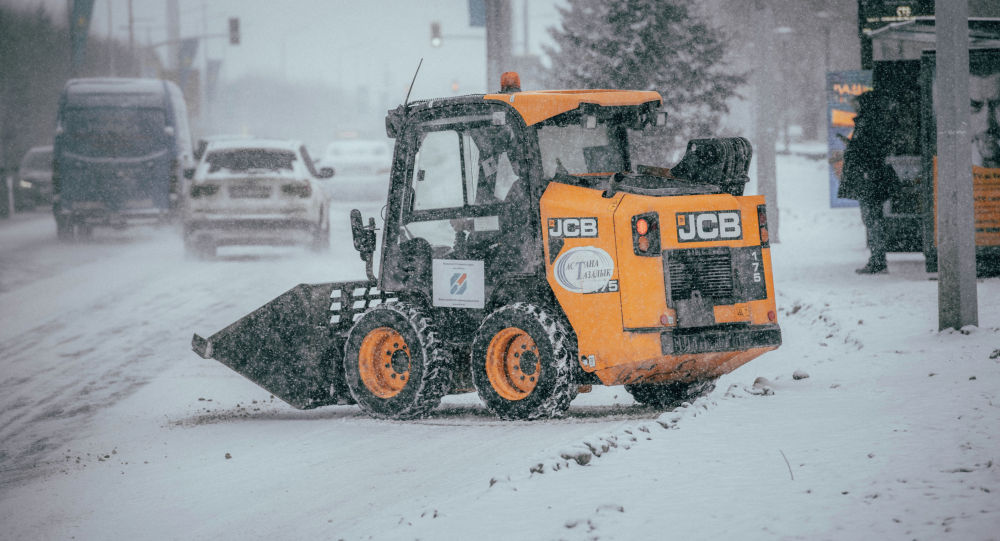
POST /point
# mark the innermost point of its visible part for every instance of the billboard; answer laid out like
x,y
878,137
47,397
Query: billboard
x,y
842,87
984,135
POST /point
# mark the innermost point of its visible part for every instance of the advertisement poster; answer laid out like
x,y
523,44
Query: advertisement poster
x,y
984,134
986,202
842,87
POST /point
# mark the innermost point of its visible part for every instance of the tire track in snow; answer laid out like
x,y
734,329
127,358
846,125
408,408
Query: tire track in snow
x,y
93,349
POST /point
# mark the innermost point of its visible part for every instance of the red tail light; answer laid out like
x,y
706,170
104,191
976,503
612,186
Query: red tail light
x,y
301,190
646,234
762,222
204,190
641,226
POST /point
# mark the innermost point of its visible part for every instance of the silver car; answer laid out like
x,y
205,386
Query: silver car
x,y
255,192
34,179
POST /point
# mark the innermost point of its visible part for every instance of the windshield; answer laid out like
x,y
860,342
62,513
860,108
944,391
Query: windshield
x,y
114,132
576,150
250,160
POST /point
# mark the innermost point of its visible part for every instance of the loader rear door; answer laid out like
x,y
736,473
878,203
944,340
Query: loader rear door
x,y
464,220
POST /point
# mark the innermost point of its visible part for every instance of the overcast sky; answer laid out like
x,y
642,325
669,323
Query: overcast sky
x,y
371,43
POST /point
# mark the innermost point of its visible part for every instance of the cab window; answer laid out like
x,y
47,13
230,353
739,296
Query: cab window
x,y
463,180
437,174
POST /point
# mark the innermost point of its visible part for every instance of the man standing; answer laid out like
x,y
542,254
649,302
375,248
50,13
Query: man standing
x,y
867,177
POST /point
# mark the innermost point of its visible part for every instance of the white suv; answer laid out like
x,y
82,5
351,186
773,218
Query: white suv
x,y
255,192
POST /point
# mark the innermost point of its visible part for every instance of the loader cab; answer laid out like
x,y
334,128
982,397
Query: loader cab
x,y
460,218
468,175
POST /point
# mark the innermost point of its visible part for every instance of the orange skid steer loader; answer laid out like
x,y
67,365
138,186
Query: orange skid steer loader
x,y
526,257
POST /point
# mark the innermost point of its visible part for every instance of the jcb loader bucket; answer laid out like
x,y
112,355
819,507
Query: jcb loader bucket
x,y
286,346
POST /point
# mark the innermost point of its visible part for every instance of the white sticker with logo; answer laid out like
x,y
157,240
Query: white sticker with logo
x,y
458,283
585,269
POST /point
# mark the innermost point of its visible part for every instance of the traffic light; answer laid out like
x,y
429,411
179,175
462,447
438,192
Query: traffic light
x,y
234,31
435,34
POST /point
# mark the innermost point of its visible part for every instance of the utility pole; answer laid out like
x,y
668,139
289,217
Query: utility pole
x,y
957,302
498,42
765,110
131,31
205,105
173,35
111,49
79,12
526,21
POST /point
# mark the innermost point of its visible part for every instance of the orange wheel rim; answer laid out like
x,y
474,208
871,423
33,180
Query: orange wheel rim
x,y
512,364
384,362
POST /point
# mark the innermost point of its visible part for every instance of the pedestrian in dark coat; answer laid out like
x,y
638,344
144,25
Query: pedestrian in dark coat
x,y
867,177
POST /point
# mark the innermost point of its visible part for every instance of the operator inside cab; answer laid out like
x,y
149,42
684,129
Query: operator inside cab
x,y
468,198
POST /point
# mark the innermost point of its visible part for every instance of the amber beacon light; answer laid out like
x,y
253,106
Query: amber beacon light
x,y
510,81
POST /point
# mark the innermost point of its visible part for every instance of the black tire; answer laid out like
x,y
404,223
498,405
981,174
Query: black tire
x,y
667,395
84,231
394,363
507,336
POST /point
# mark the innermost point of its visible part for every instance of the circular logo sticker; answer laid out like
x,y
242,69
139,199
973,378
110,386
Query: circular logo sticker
x,y
585,269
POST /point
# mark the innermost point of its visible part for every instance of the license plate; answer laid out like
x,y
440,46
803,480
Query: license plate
x,y
250,191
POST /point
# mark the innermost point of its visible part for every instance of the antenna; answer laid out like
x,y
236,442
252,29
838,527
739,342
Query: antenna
x,y
407,99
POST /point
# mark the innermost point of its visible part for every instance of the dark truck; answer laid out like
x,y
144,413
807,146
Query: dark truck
x,y
121,149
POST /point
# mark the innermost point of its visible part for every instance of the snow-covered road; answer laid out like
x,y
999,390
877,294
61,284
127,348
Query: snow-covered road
x,y
111,428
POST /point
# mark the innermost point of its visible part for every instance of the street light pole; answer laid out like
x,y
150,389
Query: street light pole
x,y
131,32
173,34
957,302
765,108
825,19
783,33
498,41
111,49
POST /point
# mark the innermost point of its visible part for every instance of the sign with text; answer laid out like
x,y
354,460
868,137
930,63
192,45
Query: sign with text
x,y
459,283
842,87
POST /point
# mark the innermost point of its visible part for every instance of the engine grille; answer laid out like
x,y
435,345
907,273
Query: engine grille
x,y
708,271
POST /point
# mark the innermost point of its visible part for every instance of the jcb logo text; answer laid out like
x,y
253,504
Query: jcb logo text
x,y
714,225
573,227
